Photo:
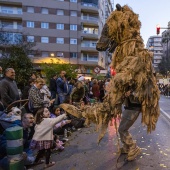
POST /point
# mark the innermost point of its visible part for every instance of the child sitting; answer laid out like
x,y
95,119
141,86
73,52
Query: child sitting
x,y
59,127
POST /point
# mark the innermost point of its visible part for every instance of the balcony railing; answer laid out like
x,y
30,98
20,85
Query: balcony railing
x,y
89,18
89,4
90,32
89,44
10,10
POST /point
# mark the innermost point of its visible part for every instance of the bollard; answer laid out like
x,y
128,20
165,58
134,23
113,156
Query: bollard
x,y
14,137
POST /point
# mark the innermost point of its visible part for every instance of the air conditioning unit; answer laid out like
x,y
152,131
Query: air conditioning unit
x,y
82,38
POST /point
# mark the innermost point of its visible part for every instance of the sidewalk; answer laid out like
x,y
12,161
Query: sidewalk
x,y
164,103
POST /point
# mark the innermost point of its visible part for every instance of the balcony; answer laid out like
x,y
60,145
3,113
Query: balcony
x,y
88,46
90,20
88,34
8,38
89,58
11,12
89,7
157,57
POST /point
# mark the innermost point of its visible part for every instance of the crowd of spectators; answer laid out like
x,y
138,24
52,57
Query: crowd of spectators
x,y
45,124
164,89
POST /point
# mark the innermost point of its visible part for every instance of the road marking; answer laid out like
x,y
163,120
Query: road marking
x,y
166,114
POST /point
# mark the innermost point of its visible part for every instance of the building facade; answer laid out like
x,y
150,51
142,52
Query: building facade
x,y
154,44
65,29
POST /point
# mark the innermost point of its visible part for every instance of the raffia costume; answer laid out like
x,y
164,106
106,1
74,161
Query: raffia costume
x,y
133,66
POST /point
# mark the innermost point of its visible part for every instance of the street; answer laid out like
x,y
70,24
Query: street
x,y
83,153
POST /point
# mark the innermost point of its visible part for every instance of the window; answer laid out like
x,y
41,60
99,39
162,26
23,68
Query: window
x,y
30,24
60,26
84,57
44,39
73,55
19,25
30,9
60,12
12,38
31,55
8,10
92,58
60,40
30,38
73,0
45,25
19,10
73,27
60,54
73,13
44,54
7,24
73,41
44,10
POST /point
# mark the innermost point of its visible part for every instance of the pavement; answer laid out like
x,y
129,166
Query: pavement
x,y
164,103
82,152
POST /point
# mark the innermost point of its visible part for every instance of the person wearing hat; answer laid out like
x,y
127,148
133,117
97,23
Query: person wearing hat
x,y
78,92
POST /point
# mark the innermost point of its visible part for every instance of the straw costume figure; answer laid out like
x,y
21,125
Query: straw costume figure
x,y
133,66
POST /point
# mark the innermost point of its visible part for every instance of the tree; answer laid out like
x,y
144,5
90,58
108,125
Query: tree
x,y
22,65
163,66
56,67
15,50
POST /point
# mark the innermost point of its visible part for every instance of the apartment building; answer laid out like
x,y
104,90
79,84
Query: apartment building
x,y
64,29
154,44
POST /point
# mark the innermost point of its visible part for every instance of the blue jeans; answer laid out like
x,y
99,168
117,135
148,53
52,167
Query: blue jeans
x,y
53,94
61,98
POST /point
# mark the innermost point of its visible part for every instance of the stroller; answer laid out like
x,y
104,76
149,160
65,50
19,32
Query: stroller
x,y
7,119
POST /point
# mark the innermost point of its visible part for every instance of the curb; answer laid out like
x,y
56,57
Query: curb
x,y
165,114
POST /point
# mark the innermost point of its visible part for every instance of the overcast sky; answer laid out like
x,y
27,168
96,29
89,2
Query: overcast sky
x,y
151,13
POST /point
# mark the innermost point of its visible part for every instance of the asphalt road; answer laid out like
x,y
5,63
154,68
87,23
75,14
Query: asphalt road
x,y
83,153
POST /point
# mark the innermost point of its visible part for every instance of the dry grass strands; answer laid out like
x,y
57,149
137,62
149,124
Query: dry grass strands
x,y
133,65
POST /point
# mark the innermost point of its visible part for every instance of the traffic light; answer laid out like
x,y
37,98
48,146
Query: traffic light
x,y
158,29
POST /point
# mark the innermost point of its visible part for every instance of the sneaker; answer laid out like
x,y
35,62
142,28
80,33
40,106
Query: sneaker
x,y
65,139
73,128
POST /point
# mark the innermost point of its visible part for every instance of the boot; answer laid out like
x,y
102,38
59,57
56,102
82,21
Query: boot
x,y
134,151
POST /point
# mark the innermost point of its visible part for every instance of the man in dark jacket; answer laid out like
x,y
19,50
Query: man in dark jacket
x,y
8,88
53,86
61,83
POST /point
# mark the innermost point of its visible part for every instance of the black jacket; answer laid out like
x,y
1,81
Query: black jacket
x,y
53,85
8,91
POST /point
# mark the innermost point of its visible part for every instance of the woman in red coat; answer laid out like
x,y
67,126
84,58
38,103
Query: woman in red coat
x,y
95,89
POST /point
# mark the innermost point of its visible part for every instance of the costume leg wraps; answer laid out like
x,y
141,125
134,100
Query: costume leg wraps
x,y
129,145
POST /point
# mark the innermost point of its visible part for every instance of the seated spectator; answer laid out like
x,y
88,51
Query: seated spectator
x,y
61,126
27,122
